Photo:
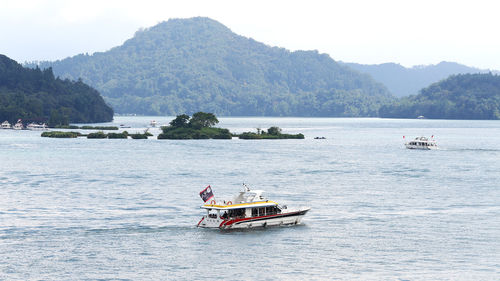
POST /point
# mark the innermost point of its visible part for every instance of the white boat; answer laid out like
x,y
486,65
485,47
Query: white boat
x,y
422,143
6,125
153,123
19,125
37,127
249,209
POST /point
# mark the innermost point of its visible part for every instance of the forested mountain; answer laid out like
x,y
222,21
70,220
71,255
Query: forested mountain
x,y
198,64
35,95
402,81
463,96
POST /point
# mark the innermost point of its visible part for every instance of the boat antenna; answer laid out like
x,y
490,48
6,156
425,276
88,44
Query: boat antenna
x,y
246,187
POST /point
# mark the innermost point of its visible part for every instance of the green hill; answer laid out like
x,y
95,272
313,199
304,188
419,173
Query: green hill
x,y
35,95
465,96
198,64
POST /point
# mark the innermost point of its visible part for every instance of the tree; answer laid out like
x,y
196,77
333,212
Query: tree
x,y
203,120
274,131
181,121
198,127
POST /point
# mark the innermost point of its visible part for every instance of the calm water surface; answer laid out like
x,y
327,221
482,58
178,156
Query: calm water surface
x,y
127,209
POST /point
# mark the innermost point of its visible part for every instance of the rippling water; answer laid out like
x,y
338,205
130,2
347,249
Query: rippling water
x,y
127,209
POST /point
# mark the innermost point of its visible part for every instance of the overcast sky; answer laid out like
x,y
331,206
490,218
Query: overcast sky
x,y
407,32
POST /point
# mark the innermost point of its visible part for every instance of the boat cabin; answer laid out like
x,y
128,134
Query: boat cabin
x,y
421,142
241,211
6,125
247,204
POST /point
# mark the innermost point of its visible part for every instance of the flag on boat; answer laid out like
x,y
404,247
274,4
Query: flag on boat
x,y
206,194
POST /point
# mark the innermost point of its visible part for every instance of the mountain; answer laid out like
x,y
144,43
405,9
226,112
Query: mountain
x,y
198,64
463,96
402,81
35,95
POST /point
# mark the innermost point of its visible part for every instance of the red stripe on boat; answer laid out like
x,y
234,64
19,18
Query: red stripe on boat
x,y
222,223
200,221
230,222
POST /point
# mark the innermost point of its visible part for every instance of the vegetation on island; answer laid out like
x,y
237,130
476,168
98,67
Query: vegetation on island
x,y
272,133
198,64
465,96
138,135
102,135
199,126
58,134
122,135
97,135
35,95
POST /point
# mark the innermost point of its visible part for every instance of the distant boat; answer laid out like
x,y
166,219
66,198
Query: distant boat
x,y
19,125
153,123
422,143
37,127
6,125
421,117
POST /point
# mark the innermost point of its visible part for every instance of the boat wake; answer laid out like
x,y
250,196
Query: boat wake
x,y
473,149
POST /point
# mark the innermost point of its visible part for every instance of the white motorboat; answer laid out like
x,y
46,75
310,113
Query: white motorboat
x,y
422,143
249,209
37,127
6,125
19,125
153,123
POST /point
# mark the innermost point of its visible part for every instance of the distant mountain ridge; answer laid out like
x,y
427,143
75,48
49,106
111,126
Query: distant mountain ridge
x,y
463,96
402,81
36,95
198,64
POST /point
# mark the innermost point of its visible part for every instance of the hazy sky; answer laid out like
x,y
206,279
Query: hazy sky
x,y
405,32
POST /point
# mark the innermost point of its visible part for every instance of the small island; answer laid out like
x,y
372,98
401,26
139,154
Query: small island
x,y
97,135
61,135
183,127
199,126
272,133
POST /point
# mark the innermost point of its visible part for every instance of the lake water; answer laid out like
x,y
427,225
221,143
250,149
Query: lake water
x,y
127,209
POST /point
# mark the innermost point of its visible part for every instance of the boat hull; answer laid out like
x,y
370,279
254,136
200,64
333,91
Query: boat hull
x,y
421,147
288,218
